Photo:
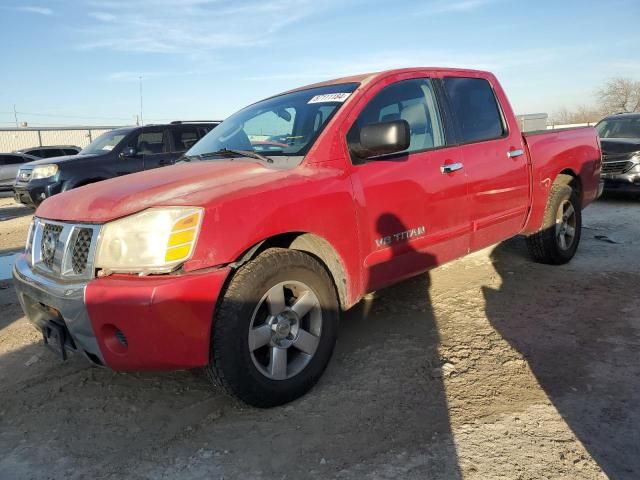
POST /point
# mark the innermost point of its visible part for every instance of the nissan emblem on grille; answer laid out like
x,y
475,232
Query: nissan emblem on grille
x,y
50,237
64,249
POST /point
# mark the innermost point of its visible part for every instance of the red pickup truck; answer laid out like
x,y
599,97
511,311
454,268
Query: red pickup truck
x,y
239,260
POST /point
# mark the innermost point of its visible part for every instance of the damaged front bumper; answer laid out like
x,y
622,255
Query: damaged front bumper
x,y
126,322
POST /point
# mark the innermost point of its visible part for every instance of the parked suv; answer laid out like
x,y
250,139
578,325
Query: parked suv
x,y
620,139
115,153
50,151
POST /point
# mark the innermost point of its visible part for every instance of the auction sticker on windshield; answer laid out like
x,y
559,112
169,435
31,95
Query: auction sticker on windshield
x,y
330,97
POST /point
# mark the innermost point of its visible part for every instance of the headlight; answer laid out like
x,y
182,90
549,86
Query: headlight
x,y
156,240
44,171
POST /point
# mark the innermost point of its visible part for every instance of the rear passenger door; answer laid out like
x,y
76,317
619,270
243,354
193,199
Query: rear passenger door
x,y
494,161
415,213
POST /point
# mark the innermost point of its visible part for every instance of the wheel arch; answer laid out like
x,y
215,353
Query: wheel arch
x,y
313,245
571,178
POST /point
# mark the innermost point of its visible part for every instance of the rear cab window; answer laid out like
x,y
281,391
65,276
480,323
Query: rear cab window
x,y
475,109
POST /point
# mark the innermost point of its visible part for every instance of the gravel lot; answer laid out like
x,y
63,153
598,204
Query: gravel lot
x,y
488,367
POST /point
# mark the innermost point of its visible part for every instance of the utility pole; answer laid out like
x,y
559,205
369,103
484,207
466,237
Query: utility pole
x,y
15,114
141,117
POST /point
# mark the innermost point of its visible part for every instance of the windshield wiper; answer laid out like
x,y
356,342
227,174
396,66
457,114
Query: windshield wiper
x,y
233,152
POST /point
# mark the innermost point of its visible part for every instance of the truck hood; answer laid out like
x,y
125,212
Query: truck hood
x,y
57,160
187,184
617,146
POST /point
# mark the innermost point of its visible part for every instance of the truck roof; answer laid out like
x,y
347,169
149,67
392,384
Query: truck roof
x,y
367,77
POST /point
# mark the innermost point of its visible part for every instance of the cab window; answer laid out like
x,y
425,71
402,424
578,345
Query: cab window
x,y
410,100
475,109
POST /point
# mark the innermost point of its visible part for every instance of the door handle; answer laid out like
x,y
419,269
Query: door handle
x,y
515,153
451,167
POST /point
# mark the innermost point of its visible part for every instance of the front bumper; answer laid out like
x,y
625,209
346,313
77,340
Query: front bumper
x,y
625,182
32,193
129,322
38,294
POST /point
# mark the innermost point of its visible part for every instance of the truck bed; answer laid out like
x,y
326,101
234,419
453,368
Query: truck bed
x,y
574,151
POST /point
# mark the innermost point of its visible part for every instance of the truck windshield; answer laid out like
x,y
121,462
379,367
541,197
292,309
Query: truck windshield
x,y
628,127
287,124
104,143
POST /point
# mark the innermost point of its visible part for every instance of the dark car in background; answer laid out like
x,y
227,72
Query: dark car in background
x,y
50,151
620,139
115,153
9,165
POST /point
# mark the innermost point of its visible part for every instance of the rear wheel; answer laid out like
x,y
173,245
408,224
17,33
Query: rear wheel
x,y
556,243
275,329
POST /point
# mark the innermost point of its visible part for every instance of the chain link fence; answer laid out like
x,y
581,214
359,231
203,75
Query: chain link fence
x,y
18,138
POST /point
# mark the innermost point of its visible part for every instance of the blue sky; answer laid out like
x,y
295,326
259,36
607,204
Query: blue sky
x,y
78,62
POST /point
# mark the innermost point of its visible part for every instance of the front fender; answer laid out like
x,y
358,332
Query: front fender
x,y
319,203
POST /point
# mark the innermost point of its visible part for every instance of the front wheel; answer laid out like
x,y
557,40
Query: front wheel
x,y
556,243
274,331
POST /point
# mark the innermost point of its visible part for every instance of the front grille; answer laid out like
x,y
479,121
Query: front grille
x,y
81,248
616,157
616,167
49,244
63,249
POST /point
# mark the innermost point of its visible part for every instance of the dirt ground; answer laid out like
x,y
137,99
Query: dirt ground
x,y
491,367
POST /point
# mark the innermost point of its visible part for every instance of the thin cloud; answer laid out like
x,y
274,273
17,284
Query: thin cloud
x,y
342,67
188,26
456,6
38,10
103,16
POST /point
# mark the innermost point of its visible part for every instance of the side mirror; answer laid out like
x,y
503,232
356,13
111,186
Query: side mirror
x,y
128,152
384,138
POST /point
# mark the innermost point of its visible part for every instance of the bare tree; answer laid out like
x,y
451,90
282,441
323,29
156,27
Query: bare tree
x,y
582,114
620,95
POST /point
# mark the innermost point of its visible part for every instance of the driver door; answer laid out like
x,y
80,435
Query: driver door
x,y
415,213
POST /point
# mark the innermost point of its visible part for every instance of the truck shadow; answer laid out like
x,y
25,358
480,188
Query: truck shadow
x,y
577,348
389,369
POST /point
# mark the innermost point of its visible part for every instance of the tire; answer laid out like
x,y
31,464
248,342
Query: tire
x,y
553,244
300,324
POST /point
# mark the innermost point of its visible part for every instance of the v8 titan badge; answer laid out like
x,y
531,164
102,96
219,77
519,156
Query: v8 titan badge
x,y
400,236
